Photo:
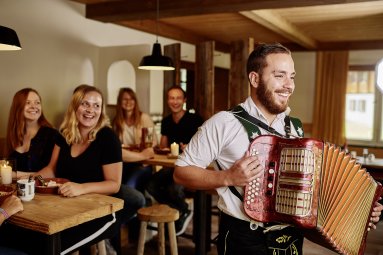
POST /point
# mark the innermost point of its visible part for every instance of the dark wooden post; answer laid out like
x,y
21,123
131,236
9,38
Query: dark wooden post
x,y
204,79
171,78
239,88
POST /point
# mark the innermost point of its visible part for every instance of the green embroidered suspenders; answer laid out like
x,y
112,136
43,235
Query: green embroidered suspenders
x,y
252,124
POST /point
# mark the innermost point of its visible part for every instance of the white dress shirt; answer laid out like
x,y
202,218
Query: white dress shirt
x,y
224,138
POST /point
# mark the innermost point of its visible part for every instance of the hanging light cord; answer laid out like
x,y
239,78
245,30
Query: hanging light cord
x,y
158,15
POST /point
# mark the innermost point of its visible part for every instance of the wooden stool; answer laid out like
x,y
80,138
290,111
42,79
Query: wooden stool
x,y
98,248
160,214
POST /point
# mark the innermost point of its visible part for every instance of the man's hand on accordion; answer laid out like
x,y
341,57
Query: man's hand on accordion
x,y
377,211
244,170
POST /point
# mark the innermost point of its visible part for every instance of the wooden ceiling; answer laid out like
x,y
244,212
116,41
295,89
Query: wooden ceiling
x,y
299,24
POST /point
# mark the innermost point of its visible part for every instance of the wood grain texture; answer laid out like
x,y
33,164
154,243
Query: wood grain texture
x,y
50,214
298,24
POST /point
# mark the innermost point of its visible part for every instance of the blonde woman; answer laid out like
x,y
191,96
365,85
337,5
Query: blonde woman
x,y
89,154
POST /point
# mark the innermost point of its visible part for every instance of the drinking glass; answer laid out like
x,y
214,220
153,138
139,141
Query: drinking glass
x,y
148,137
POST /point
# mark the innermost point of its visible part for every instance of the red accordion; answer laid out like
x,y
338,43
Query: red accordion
x,y
313,185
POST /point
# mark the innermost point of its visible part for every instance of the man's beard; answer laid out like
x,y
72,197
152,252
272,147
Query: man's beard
x,y
265,96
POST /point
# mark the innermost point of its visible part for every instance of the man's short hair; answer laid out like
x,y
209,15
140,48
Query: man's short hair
x,y
176,87
257,59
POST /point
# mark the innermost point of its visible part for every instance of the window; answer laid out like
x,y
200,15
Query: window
x,y
183,75
363,108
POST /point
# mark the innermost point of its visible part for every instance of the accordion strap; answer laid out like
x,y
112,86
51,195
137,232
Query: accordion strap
x,y
232,188
253,124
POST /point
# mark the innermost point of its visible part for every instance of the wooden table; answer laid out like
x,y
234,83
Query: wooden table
x,y
202,208
161,160
374,167
50,214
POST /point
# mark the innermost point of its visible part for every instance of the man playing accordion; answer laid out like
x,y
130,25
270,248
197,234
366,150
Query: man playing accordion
x,y
224,139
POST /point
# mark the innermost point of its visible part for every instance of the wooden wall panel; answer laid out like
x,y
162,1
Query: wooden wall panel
x,y
239,88
221,89
204,79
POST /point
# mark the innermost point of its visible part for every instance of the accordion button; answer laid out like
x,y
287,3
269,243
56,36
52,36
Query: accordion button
x,y
253,225
256,193
248,202
270,185
271,171
257,184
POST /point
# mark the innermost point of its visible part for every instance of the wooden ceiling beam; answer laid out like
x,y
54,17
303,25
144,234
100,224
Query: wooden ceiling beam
x,y
164,30
281,26
350,45
113,11
347,45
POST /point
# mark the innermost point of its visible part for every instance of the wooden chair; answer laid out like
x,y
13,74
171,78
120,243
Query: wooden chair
x,y
160,214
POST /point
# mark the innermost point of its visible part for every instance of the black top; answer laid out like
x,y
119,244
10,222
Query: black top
x,y
87,167
40,151
182,131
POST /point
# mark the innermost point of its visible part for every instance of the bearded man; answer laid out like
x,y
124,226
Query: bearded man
x,y
223,139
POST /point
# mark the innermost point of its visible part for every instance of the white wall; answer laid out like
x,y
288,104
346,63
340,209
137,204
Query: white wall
x,y
301,102
49,65
59,43
365,57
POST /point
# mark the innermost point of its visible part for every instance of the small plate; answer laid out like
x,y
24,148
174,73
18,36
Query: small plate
x,y
52,189
5,191
163,151
131,147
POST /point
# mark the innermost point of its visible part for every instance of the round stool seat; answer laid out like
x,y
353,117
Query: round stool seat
x,y
158,213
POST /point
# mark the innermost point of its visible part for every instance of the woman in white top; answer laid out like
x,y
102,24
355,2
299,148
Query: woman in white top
x,y
128,124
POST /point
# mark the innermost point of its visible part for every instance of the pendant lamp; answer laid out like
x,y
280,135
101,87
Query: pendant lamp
x,y
9,39
156,61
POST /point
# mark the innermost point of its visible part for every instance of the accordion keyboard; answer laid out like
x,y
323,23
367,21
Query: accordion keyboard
x,y
295,183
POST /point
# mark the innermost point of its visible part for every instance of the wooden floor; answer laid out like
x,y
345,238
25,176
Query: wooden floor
x,y
186,246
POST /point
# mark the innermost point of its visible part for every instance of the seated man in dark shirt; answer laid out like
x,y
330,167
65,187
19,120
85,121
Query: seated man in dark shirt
x,y
178,127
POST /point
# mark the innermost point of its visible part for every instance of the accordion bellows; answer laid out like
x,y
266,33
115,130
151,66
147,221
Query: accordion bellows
x,y
313,185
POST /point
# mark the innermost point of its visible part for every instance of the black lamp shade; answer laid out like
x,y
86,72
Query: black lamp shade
x,y
156,61
9,39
